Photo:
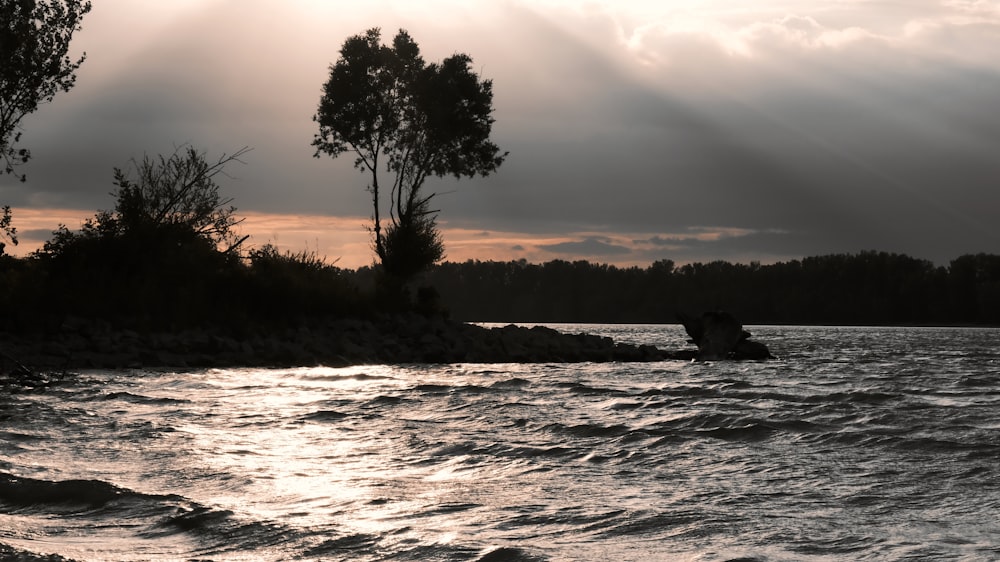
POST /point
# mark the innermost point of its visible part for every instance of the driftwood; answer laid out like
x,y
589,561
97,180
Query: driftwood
x,y
17,377
13,366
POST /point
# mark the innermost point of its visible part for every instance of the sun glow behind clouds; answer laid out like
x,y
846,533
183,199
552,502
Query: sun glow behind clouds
x,y
630,124
660,33
642,27
346,241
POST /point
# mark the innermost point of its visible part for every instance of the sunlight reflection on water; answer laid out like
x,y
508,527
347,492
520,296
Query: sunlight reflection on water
x,y
829,453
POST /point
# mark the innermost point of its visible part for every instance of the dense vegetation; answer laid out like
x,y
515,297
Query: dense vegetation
x,y
865,288
169,279
168,257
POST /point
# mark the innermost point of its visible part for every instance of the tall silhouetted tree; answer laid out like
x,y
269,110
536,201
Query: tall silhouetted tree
x,y
410,119
34,65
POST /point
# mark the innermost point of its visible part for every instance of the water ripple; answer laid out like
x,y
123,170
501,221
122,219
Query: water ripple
x,y
859,443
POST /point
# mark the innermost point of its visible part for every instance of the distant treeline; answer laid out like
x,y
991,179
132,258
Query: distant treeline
x,y
168,279
866,288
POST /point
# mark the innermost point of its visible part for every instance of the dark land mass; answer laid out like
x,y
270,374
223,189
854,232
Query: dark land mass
x,y
868,288
185,305
395,339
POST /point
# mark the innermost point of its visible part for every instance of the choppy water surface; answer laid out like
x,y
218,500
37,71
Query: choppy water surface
x,y
858,443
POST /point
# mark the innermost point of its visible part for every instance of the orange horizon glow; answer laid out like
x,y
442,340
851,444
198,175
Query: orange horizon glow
x,y
346,242
343,241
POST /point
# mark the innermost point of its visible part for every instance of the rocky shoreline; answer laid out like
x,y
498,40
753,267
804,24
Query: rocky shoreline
x,y
80,344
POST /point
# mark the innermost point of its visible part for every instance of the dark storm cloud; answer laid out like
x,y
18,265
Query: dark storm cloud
x,y
763,246
798,129
841,148
589,246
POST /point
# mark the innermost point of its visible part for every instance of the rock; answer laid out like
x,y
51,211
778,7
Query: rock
x,y
751,350
719,335
390,339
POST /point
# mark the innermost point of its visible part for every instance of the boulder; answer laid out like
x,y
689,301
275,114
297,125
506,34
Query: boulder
x,y
719,335
751,350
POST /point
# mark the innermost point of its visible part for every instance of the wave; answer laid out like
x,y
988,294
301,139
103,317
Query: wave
x,y
33,494
447,508
139,399
325,415
348,547
349,377
588,429
856,397
529,452
514,383
510,554
671,523
343,547
728,427
153,515
990,380
17,437
746,392
747,432
455,450
384,400
222,525
11,554
455,389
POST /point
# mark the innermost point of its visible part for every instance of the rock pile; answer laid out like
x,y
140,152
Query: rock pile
x,y
389,340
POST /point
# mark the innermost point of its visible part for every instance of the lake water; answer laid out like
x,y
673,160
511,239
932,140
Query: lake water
x,y
856,444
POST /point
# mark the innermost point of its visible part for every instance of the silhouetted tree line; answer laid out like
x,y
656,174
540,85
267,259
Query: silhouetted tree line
x,y
865,288
168,257
167,276
166,279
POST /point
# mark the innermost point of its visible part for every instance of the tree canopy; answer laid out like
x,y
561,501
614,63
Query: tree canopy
x,y
177,190
34,63
413,120
167,252
165,208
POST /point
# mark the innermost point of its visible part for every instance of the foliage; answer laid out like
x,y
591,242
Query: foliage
x,y
178,190
290,286
865,288
170,276
186,282
167,276
411,246
7,230
34,65
162,255
415,120
268,258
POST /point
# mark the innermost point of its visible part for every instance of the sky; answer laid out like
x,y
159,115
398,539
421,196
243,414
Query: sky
x,y
693,130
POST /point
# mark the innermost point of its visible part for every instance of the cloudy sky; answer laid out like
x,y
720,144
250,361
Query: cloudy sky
x,y
685,130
